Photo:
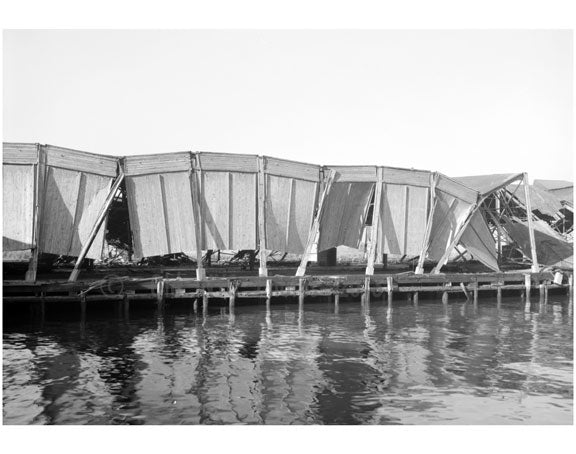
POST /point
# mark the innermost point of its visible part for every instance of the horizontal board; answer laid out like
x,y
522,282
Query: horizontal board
x,y
19,153
81,161
291,169
354,174
456,189
227,162
157,163
410,177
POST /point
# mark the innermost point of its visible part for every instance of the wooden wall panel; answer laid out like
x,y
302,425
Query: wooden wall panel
x,y
61,193
19,153
417,216
178,212
147,215
157,163
214,203
342,220
244,227
279,195
80,161
17,207
393,218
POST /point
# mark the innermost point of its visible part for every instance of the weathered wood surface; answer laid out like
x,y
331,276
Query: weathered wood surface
x,y
18,206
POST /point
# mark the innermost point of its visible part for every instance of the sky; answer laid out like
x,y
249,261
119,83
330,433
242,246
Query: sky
x,y
458,102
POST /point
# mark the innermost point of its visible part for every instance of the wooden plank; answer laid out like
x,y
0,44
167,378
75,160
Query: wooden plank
x,y
416,219
394,219
262,271
215,209
157,163
81,161
315,229
291,169
101,216
196,216
19,153
354,174
456,189
420,178
535,266
228,162
178,212
375,223
278,205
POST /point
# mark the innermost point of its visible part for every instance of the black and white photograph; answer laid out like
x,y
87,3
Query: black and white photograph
x,y
287,227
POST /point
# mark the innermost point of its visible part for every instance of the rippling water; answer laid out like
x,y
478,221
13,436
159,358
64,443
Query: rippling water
x,y
351,364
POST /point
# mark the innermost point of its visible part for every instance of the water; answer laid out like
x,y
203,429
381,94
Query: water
x,y
351,364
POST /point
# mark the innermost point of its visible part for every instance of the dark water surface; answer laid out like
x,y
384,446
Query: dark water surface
x,y
351,364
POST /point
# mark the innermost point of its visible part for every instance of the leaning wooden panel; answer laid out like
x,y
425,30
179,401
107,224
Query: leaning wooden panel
x,y
91,197
393,219
18,207
279,194
147,221
301,215
157,163
456,189
449,214
342,221
215,209
479,242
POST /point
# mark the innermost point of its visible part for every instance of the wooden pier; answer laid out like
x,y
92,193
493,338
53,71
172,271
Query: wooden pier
x,y
230,289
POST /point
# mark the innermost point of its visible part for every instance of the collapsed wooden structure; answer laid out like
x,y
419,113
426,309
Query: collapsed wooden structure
x,y
56,201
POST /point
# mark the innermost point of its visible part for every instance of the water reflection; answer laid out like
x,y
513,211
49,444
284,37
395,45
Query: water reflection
x,y
350,363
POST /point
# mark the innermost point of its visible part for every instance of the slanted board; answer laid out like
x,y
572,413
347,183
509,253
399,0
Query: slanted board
x,y
91,199
18,207
544,201
80,161
289,213
403,217
479,242
457,189
551,248
342,220
72,202
228,210
449,214
354,174
144,194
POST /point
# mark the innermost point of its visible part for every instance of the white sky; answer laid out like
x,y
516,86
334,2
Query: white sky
x,y
460,102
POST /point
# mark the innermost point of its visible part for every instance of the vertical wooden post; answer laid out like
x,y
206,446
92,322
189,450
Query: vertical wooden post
x,y
498,228
535,267
463,287
445,297
160,292
204,302
315,229
499,293
39,193
415,299
528,285
367,289
268,290
372,245
195,177
99,220
390,289
476,293
232,289
262,270
301,291
570,283
424,250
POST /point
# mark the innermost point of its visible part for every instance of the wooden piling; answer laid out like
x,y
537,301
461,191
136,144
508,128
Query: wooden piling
x,y
160,292
463,287
367,289
528,285
545,292
570,283
301,291
415,299
232,289
204,302
390,289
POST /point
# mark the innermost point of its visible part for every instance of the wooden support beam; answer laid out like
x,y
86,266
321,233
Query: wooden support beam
x,y
465,291
195,176
455,240
366,294
232,289
160,292
301,291
372,245
315,229
535,267
96,227
527,285
390,290
425,243
39,195
263,256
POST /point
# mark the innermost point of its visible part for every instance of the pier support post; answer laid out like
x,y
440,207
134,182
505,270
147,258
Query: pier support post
x,y
463,287
476,292
160,293
527,285
415,299
367,289
204,303
301,291
570,283
390,289
426,240
232,289
499,294
268,290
